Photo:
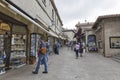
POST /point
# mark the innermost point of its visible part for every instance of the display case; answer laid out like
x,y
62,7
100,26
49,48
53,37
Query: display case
x,y
92,43
18,50
2,55
34,46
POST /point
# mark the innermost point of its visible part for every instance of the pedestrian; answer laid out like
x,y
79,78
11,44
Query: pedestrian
x,y
41,57
76,49
81,49
56,48
72,45
69,44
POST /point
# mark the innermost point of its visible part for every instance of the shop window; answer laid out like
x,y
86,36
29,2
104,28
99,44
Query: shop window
x,y
34,46
114,42
2,55
18,50
92,43
4,28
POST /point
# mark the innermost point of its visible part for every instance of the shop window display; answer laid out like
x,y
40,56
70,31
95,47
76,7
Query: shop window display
x,y
34,46
114,42
2,55
18,50
92,43
3,29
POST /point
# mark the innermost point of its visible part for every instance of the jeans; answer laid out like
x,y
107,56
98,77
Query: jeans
x,y
40,57
76,53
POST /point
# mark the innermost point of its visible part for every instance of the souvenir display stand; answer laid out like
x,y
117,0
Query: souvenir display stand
x,y
18,51
2,56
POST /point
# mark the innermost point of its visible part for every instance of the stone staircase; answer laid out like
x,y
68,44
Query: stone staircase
x,y
116,58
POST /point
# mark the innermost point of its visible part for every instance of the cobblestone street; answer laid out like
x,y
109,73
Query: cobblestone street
x,y
91,66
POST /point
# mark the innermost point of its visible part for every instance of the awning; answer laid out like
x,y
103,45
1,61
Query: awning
x,y
5,27
52,34
60,37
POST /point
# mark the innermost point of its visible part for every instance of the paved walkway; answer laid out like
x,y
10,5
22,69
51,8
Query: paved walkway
x,y
91,66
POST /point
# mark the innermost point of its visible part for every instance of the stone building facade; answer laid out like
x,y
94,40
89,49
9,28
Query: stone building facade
x,y
86,34
107,30
22,24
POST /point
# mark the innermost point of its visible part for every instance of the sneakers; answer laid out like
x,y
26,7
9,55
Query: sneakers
x,y
35,72
45,72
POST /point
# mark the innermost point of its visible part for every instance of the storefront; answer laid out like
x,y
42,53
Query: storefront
x,y
13,40
52,38
18,46
12,46
34,39
92,43
52,42
4,30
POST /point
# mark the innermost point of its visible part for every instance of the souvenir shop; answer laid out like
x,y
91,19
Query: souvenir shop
x,y
12,46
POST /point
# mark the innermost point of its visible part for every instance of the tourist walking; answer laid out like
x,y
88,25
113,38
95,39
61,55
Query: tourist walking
x,y
81,49
56,48
76,49
41,57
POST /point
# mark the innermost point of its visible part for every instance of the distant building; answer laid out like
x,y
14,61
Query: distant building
x,y
70,34
107,30
86,34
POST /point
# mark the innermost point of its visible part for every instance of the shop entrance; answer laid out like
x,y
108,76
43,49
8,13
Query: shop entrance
x,y
92,43
18,46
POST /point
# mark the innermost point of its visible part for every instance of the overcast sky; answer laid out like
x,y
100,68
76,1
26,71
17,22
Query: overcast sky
x,y
74,11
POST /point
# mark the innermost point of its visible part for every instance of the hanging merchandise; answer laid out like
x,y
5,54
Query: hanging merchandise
x,y
4,28
34,46
18,50
2,56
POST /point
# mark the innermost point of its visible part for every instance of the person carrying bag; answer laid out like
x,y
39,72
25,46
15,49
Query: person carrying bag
x,y
76,47
41,57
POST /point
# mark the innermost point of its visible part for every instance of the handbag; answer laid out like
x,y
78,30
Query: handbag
x,y
42,50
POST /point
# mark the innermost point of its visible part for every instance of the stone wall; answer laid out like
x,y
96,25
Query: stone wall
x,y
112,29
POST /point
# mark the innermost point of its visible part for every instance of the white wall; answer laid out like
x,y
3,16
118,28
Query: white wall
x,y
32,8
